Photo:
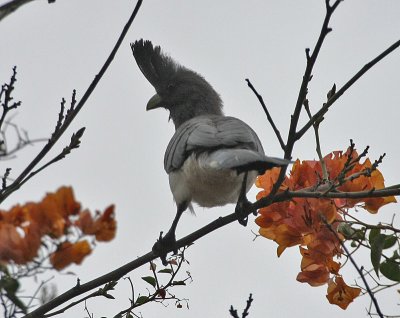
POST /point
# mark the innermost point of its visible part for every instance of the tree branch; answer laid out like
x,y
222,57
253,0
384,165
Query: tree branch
x,y
345,87
311,59
10,7
187,240
73,111
271,121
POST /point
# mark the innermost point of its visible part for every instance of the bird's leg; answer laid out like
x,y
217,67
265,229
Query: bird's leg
x,y
167,242
243,204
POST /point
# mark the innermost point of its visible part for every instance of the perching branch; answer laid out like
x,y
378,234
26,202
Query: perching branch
x,y
293,136
185,241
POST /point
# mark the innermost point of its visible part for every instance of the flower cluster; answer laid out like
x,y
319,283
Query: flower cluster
x,y
25,228
312,224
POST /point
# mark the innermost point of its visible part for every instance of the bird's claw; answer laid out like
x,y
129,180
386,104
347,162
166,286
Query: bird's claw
x,y
163,245
241,211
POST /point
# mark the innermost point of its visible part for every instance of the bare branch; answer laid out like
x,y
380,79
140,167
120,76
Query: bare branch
x,y
271,121
12,6
74,110
345,87
6,98
311,60
74,143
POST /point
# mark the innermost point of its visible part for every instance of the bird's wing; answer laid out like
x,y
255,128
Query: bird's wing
x,y
211,134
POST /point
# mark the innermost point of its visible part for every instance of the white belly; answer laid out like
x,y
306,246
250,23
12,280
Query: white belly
x,y
200,181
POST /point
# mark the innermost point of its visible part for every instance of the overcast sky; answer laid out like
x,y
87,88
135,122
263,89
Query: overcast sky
x,y
62,46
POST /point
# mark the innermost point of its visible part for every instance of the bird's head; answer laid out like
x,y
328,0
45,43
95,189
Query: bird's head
x,y
183,92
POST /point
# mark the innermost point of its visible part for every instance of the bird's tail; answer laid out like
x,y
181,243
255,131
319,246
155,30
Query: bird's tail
x,y
243,160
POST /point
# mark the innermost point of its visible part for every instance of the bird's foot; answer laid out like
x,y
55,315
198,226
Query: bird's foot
x,y
243,205
241,210
164,245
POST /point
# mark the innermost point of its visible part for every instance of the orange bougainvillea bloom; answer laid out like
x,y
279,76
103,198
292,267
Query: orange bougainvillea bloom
x,y
69,253
103,226
25,227
341,294
311,223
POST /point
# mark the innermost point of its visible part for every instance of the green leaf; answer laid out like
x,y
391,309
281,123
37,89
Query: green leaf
x,y
359,234
390,241
346,230
141,300
165,270
390,269
376,251
373,234
150,279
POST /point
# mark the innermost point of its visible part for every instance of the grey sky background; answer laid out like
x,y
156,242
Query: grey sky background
x,y
62,46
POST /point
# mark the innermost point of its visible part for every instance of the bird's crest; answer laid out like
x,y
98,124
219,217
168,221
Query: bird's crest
x,y
157,67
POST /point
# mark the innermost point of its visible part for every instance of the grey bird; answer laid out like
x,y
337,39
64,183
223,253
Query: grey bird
x,y
212,159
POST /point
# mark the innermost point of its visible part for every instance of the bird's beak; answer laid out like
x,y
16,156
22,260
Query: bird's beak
x,y
154,102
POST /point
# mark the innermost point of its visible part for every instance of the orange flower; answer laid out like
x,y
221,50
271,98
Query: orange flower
x,y
68,253
315,275
310,223
25,227
103,227
341,294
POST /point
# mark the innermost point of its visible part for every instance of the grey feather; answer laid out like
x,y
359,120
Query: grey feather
x,y
157,67
243,160
185,93
209,134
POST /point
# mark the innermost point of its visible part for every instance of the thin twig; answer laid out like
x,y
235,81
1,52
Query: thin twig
x,y
271,121
71,115
311,60
10,7
358,269
248,304
345,87
213,226
325,175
